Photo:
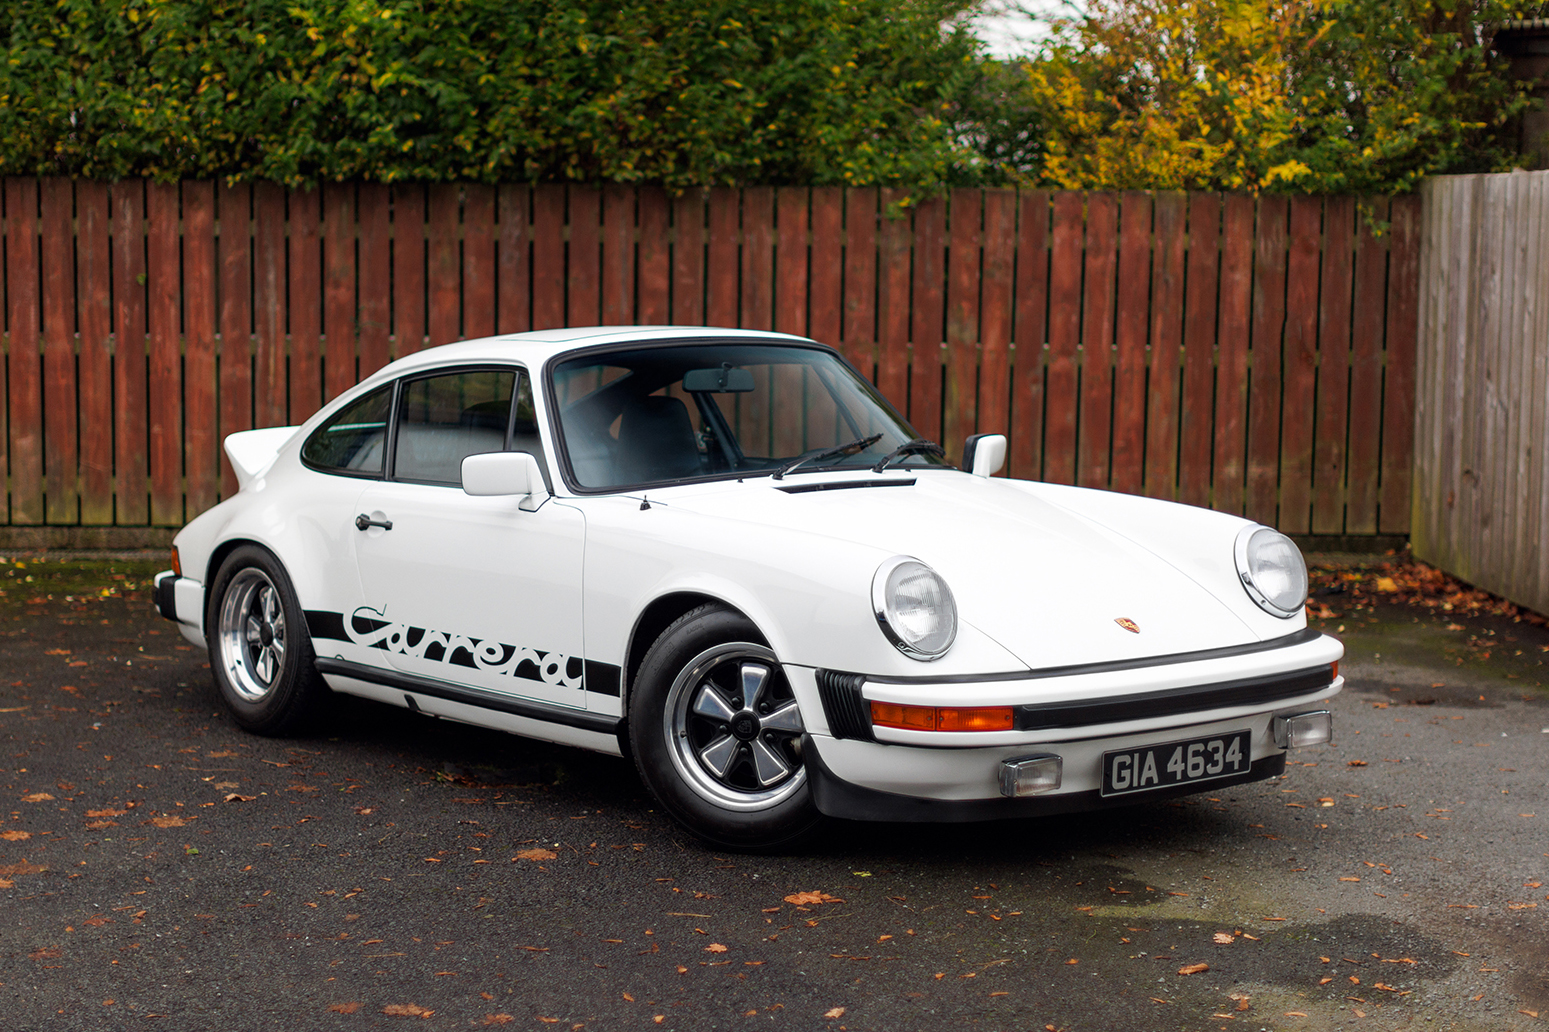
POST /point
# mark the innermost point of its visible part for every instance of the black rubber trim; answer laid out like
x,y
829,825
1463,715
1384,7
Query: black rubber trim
x,y
848,714
837,798
843,485
326,625
166,598
1291,640
602,678
1252,691
599,722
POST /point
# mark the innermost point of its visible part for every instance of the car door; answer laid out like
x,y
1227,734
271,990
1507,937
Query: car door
x,y
477,591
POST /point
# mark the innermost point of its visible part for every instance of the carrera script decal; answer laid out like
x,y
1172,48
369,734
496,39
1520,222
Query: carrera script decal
x,y
366,627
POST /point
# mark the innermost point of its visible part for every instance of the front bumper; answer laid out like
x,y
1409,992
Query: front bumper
x,y
863,771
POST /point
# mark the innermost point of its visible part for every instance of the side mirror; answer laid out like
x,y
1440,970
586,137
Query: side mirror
x,y
493,474
984,454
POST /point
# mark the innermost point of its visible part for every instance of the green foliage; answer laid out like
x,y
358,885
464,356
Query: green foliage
x,y
681,92
1317,96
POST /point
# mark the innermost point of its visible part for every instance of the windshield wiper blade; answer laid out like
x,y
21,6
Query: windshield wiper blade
x,y
827,453
915,447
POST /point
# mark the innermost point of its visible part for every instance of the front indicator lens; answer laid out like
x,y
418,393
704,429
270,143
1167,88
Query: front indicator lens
x,y
177,563
942,718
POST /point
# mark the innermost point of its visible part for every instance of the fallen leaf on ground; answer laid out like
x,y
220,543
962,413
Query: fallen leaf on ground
x,y
167,821
1296,1014
715,947
837,1012
806,899
1356,763
345,1008
232,797
1193,969
37,797
20,867
1223,938
99,825
407,1010
106,813
15,836
535,855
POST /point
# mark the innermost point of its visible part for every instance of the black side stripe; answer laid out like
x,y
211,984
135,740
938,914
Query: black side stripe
x,y
323,624
599,722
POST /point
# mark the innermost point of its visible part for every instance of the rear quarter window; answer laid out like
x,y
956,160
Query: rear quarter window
x,y
353,441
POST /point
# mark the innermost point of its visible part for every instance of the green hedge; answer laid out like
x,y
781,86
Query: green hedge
x,y
681,92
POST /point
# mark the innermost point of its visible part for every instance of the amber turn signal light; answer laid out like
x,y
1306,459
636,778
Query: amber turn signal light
x,y
942,718
177,565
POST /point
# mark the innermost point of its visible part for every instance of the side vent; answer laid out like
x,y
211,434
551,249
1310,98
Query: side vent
x,y
848,714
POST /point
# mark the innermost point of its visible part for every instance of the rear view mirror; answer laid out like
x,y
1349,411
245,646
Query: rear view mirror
x,y
725,380
503,473
984,454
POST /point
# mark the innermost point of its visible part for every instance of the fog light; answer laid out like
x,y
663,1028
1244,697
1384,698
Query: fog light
x,y
1031,776
1303,729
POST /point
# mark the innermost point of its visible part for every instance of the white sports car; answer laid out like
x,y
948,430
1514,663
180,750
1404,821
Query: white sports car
x,y
723,554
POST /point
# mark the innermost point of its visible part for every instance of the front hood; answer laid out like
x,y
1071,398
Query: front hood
x,y
1047,584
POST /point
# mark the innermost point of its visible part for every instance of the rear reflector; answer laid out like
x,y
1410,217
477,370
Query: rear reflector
x,y
942,718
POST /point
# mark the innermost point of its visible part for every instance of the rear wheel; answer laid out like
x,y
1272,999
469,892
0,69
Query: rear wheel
x,y
717,734
260,652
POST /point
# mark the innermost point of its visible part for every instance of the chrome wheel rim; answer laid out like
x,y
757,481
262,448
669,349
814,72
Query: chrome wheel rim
x,y
733,728
252,635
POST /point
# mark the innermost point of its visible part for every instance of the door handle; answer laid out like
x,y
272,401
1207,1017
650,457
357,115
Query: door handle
x,y
363,521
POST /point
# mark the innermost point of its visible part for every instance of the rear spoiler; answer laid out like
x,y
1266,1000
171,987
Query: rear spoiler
x,y
252,452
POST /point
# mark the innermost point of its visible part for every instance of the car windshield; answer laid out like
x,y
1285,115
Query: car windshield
x,y
649,415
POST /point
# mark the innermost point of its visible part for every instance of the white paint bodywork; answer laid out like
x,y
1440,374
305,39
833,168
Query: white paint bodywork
x,y
1041,574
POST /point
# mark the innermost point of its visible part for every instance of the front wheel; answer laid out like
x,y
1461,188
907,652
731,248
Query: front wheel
x,y
260,652
716,733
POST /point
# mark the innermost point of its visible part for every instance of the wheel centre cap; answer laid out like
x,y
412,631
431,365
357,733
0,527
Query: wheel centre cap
x,y
266,635
745,725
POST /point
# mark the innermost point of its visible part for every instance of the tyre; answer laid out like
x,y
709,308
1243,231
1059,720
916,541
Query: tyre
x,y
260,652
717,735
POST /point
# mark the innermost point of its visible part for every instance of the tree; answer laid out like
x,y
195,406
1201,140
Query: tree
x,y
1318,96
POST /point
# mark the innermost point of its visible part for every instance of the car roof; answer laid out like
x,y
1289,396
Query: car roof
x,y
534,349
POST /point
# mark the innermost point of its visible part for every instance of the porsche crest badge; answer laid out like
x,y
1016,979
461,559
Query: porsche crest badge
x,y
1128,624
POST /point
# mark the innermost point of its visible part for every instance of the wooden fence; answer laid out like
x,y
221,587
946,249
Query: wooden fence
x,y
1481,504
1252,354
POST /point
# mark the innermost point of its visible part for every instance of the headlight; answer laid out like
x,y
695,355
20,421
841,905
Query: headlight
x,y
914,608
1272,571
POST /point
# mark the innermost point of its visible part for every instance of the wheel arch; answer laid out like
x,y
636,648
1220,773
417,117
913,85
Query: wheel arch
x,y
656,618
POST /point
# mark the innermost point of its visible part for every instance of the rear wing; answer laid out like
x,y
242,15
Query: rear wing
x,y
252,452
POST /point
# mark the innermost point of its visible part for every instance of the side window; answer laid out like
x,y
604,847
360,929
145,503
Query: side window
x,y
444,419
354,441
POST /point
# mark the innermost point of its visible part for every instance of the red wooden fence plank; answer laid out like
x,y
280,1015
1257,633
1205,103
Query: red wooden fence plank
x,y
758,258
409,258
826,283
131,498
338,288
1196,428
306,304
25,365
479,260
1300,365
94,298
618,255
1328,500
164,387
583,258
860,279
1102,231
270,388
374,278
1232,338
961,390
1371,260
1059,460
1129,374
201,445
548,256
1166,345
513,297
236,318
1031,332
790,289
893,249
653,276
1269,264
722,299
443,264
1398,413
999,242
927,326
688,258
57,254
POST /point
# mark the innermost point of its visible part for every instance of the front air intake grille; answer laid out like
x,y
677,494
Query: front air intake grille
x,y
848,714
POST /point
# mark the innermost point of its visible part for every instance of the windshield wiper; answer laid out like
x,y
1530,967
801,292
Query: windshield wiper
x,y
915,447
827,453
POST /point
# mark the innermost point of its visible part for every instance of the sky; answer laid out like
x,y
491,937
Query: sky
x,y
1010,28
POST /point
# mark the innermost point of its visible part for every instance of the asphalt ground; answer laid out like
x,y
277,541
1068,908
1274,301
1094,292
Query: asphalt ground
x,y
160,868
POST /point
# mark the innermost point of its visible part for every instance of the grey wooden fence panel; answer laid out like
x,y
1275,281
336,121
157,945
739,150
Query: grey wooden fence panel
x,y
1481,502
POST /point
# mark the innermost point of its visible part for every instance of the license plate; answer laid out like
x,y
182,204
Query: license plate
x,y
1176,763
